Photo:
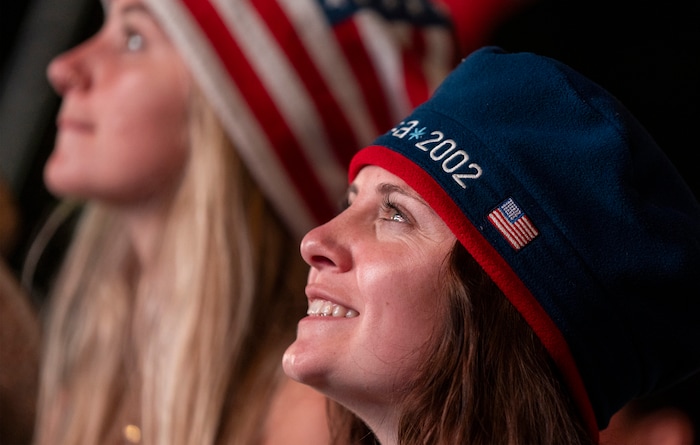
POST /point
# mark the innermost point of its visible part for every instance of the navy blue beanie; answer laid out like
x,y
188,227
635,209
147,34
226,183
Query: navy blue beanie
x,y
572,209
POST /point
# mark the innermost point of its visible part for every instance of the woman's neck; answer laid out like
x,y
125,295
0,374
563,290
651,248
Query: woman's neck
x,y
382,420
145,225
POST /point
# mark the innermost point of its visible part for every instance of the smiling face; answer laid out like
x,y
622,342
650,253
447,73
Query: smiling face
x,y
379,264
122,127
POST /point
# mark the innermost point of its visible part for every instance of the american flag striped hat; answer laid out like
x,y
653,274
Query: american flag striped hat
x,y
573,211
300,85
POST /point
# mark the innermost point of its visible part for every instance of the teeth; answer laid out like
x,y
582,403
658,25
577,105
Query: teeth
x,y
323,308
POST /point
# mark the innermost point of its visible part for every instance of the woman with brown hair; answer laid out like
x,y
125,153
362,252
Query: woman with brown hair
x,y
517,261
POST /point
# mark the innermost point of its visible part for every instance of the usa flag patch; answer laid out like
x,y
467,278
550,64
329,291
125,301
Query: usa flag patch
x,y
513,224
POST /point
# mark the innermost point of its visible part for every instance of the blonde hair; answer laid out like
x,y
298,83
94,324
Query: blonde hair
x,y
190,351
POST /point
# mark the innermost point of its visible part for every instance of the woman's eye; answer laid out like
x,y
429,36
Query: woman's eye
x,y
392,213
398,217
134,42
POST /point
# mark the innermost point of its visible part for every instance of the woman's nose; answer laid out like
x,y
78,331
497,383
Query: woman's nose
x,y
68,70
324,247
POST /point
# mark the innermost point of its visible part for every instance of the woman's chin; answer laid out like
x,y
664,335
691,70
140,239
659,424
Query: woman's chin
x,y
301,365
59,178
291,363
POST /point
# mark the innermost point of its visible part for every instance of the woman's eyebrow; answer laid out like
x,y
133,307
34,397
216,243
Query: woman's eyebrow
x,y
385,189
135,8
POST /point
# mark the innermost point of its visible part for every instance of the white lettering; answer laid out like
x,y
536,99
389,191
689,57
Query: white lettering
x,y
423,145
401,131
454,161
435,154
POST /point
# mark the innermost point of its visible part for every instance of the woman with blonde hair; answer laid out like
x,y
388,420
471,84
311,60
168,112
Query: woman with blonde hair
x,y
201,139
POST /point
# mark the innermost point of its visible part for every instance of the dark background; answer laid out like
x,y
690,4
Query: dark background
x,y
31,33
645,53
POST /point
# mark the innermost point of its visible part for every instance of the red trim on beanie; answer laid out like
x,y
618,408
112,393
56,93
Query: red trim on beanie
x,y
489,259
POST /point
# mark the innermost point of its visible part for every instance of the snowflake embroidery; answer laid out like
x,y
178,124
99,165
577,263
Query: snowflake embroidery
x,y
417,133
